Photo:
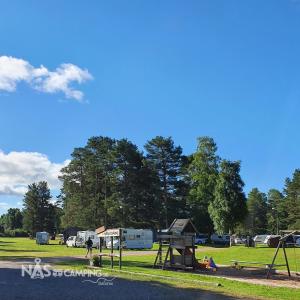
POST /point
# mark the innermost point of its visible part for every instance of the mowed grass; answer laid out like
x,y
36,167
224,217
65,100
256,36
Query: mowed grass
x,y
142,262
261,254
140,268
25,247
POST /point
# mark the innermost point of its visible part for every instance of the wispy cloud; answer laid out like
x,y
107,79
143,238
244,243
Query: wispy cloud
x,y
15,70
19,169
4,205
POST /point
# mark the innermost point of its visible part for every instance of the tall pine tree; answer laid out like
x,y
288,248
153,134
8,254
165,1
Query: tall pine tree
x,y
167,160
39,212
256,222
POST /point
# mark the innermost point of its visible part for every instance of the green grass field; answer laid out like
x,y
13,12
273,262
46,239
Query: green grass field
x,y
11,248
24,247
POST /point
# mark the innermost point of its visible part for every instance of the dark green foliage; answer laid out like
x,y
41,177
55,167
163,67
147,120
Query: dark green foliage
x,y
203,172
292,195
39,212
167,161
228,207
108,182
277,213
13,219
256,222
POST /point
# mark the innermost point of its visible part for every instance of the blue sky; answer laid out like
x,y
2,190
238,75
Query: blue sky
x,y
226,69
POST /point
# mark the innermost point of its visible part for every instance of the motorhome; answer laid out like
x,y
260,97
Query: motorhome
x,y
83,236
133,239
42,238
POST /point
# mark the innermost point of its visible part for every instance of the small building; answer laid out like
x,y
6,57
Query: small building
x,y
179,239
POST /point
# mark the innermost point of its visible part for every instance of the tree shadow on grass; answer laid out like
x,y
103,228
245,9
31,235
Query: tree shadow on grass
x,y
20,250
23,287
6,242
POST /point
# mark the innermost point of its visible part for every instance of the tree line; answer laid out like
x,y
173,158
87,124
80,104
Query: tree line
x,y
111,182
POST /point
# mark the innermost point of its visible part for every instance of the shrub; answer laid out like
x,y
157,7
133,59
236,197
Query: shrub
x,y
15,233
96,261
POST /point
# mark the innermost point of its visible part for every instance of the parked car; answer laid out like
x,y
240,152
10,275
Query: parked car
x,y
239,240
201,239
71,241
260,238
297,240
220,239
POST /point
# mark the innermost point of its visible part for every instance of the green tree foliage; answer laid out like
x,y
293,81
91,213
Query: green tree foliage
x,y
203,173
228,207
277,214
168,162
13,219
108,182
87,184
292,198
256,222
136,188
39,212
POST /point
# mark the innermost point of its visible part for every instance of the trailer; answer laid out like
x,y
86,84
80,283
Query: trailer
x,y
42,238
83,236
133,239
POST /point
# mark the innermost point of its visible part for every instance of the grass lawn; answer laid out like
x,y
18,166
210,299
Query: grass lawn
x,y
142,263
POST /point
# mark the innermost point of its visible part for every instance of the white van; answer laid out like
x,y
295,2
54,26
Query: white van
x,y
83,236
42,238
133,239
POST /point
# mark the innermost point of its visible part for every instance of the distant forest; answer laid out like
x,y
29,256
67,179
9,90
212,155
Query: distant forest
x,y
112,183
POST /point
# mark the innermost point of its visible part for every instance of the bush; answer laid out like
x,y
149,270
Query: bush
x,y
96,261
15,233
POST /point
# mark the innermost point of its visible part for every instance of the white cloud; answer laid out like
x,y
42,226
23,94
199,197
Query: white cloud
x,y
14,70
19,169
4,205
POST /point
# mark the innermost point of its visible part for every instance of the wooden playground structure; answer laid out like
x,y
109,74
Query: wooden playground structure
x,y
179,239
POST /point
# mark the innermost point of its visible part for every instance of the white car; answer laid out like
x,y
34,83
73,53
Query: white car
x,y
71,241
239,240
260,239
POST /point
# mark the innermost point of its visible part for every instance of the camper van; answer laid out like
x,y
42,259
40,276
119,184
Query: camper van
x,y
133,239
42,238
83,236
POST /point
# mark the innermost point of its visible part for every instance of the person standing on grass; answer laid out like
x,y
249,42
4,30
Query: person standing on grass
x,y
89,247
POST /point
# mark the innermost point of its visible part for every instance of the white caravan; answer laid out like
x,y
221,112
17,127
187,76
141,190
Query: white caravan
x,y
71,241
83,236
42,238
133,239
